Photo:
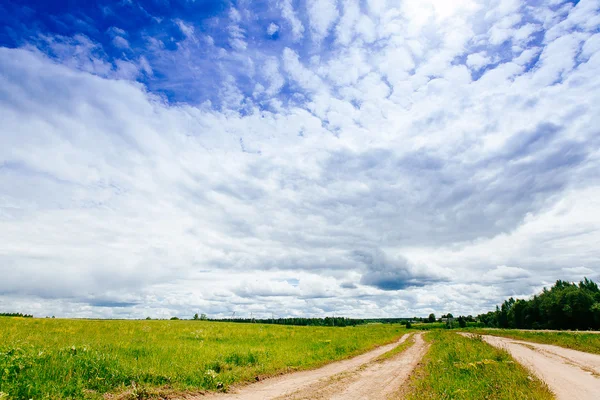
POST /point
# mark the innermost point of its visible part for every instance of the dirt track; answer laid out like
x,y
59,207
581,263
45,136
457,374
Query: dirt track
x,y
570,374
360,377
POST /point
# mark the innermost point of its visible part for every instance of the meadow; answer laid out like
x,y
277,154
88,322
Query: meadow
x,y
582,341
457,367
86,359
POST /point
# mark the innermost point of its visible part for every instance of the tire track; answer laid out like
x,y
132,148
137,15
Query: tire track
x,y
339,380
376,380
570,374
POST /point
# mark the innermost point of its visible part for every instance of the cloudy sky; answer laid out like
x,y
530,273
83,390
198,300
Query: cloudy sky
x,y
364,158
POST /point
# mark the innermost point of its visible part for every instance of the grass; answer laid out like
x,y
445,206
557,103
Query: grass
x,y
430,326
463,368
397,350
82,359
588,342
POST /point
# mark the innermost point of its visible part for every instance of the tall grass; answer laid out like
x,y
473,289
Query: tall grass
x,y
77,359
588,342
463,368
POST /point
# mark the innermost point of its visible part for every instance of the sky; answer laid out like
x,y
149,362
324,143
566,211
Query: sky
x,y
358,158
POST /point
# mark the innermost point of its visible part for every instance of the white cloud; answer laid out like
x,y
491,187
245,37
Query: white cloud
x,y
305,78
373,176
477,61
186,29
346,26
120,42
273,75
502,273
322,14
288,13
272,29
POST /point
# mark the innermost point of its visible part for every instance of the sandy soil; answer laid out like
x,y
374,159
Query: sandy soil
x,y
360,377
570,374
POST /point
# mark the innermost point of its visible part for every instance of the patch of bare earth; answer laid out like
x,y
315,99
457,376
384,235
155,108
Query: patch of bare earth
x,y
360,377
570,374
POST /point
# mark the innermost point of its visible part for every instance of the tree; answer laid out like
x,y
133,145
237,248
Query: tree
x,y
196,317
564,306
203,317
431,317
408,325
462,322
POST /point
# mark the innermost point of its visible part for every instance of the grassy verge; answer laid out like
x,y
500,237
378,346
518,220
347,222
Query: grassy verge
x,y
79,359
588,342
457,367
397,350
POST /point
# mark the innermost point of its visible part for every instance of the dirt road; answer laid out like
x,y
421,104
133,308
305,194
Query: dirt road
x,y
375,380
361,377
570,374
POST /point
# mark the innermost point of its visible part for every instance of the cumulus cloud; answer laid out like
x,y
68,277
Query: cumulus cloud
x,y
396,161
398,273
477,61
322,14
289,14
272,29
503,273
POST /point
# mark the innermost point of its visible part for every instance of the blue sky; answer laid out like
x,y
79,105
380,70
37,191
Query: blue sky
x,y
361,157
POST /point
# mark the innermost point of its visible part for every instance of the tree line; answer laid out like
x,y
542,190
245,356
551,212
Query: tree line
x,y
327,321
16,315
565,305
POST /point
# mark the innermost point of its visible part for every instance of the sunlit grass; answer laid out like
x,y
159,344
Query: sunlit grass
x,y
397,350
457,367
76,359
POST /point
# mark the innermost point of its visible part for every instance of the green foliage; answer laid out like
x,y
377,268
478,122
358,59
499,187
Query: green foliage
x,y
15,315
565,306
77,359
463,368
431,318
444,325
327,321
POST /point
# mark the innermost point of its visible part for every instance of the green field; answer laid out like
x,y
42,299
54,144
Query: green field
x,y
582,341
463,368
77,359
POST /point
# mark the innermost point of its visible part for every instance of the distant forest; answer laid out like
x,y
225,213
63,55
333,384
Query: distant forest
x,y
564,306
16,315
327,321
